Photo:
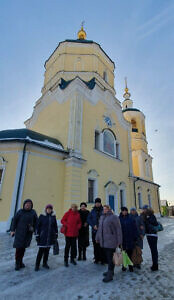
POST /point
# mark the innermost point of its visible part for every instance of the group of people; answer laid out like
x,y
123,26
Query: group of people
x,y
109,232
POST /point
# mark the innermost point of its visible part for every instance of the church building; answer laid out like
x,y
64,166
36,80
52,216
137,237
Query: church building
x,y
80,143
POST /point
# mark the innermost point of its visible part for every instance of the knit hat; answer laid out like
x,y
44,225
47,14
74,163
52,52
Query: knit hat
x,y
145,206
49,206
124,208
133,209
28,200
97,200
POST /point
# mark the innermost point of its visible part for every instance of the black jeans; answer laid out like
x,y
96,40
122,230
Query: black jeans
x,y
71,243
109,256
42,252
99,253
152,241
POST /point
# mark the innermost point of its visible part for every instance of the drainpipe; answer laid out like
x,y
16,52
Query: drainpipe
x,y
135,198
159,206
20,177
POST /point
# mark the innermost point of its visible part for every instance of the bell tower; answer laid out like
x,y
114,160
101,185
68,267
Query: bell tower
x,y
142,161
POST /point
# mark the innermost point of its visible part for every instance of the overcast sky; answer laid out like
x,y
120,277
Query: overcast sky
x,y
138,35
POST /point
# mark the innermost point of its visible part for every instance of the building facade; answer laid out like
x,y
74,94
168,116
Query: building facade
x,y
80,142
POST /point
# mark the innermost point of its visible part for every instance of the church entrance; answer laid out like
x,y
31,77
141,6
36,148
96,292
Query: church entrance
x,y
112,202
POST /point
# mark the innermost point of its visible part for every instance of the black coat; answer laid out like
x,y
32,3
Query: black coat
x,y
47,230
22,222
129,231
150,221
83,238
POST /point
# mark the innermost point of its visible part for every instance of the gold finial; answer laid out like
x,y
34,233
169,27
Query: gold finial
x,y
126,94
82,34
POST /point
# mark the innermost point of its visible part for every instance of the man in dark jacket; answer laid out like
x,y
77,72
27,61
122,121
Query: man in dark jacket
x,y
93,221
24,224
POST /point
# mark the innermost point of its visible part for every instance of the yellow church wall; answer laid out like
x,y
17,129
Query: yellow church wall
x,y
44,181
135,165
51,121
8,181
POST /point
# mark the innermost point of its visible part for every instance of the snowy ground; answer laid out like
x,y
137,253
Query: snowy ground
x,y
84,281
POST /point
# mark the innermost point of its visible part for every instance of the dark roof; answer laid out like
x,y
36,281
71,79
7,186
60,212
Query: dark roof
x,y
29,136
82,42
64,83
131,109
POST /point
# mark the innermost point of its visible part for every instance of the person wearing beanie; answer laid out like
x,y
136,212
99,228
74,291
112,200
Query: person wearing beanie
x,y
93,221
46,235
83,238
23,226
129,232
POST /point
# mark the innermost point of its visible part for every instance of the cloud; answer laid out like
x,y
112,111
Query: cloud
x,y
156,22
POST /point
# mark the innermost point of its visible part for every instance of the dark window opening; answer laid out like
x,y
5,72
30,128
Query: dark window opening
x,y
97,140
91,190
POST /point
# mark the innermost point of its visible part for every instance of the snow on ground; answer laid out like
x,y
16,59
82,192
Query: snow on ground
x,y
84,281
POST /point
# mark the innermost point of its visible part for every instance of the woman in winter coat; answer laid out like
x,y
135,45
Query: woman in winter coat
x,y
23,226
83,238
109,235
130,233
47,233
72,222
151,234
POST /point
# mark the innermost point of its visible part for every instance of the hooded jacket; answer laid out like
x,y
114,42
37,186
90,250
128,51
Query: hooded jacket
x,y
23,222
72,221
47,230
109,233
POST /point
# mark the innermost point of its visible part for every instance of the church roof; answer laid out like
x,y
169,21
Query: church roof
x,y
30,136
83,42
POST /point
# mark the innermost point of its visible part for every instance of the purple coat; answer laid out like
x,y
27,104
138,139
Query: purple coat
x,y
109,233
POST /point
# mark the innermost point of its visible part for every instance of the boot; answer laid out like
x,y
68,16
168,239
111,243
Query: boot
x,y
17,266
73,262
131,269
108,277
84,254
36,268
66,263
45,265
22,265
154,267
105,273
124,269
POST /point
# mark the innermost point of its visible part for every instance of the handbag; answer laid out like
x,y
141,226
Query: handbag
x,y
56,248
136,257
63,229
159,227
126,260
118,257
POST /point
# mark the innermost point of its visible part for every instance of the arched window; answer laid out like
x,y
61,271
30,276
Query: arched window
x,y
134,125
140,199
109,142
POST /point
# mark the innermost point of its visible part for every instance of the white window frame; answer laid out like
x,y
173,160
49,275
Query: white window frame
x,y
113,155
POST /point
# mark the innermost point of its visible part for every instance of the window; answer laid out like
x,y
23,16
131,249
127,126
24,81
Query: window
x,y
97,140
109,143
147,168
134,126
105,77
91,183
140,202
121,198
149,200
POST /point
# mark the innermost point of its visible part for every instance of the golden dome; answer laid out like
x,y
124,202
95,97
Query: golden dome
x,y
81,34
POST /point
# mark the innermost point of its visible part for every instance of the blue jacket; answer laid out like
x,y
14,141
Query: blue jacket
x,y
94,216
129,231
47,230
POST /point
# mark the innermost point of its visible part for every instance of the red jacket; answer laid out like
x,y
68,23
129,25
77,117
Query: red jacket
x,y
72,221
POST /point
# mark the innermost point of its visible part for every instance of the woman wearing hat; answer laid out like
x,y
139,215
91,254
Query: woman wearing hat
x,y
47,233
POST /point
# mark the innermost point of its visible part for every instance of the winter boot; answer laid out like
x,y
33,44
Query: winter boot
x,y
105,273
124,269
17,266
22,265
66,263
36,268
154,268
84,254
131,269
45,265
108,277
73,262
